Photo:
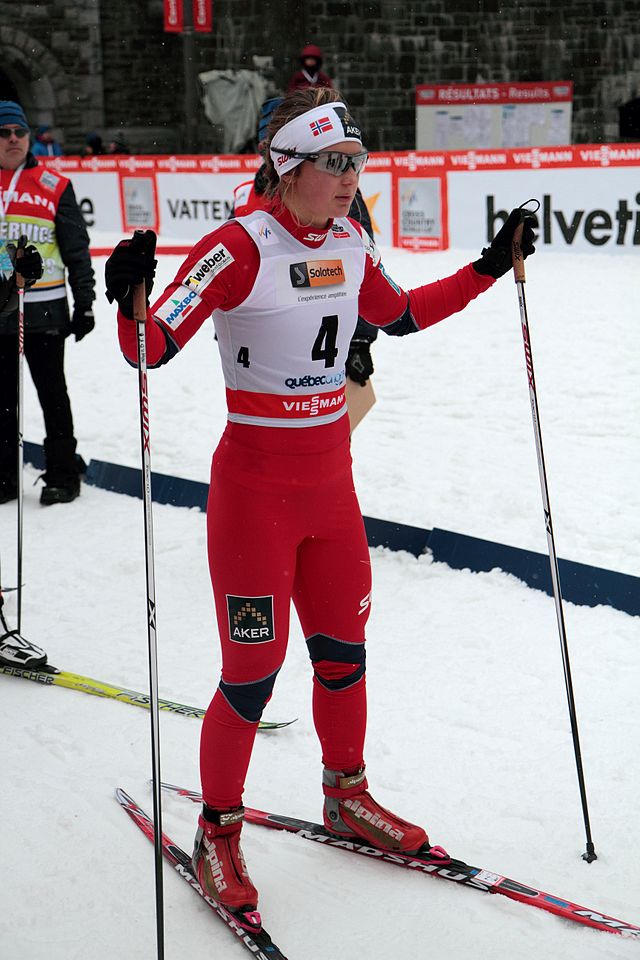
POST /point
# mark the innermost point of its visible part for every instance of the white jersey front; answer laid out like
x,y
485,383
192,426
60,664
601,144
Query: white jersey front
x,y
284,347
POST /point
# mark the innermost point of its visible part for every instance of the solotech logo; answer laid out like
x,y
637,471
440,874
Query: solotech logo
x,y
317,273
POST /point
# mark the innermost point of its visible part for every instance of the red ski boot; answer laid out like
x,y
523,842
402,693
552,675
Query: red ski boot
x,y
218,862
351,811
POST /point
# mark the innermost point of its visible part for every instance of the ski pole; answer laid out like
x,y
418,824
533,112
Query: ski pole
x,y
519,276
140,316
20,403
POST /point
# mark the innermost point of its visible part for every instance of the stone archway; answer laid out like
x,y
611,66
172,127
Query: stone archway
x,y
39,81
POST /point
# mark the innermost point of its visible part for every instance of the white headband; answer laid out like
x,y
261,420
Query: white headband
x,y
311,132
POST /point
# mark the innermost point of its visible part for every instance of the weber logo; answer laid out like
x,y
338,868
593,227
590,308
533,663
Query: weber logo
x,y
250,619
206,269
317,273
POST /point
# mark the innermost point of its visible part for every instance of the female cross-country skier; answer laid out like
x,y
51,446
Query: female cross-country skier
x,y
285,286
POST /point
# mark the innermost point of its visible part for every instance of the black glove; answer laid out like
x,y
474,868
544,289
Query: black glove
x,y
131,262
359,365
28,264
82,321
496,260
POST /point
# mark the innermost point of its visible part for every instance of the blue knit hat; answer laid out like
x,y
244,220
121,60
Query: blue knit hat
x,y
11,112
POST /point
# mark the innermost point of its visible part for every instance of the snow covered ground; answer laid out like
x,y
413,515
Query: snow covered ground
x,y
468,723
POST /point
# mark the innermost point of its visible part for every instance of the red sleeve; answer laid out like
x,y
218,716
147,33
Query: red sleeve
x,y
219,272
435,301
383,303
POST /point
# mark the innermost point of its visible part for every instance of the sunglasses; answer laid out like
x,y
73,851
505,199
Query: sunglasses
x,y
331,161
6,133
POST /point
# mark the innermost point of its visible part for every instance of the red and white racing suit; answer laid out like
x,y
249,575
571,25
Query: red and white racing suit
x,y
283,518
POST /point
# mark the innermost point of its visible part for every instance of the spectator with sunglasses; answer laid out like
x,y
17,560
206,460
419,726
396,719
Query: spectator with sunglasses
x,y
285,287
40,205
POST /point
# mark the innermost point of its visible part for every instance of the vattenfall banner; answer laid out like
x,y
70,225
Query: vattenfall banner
x,y
589,195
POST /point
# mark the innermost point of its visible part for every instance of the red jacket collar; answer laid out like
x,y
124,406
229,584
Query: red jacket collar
x,y
310,236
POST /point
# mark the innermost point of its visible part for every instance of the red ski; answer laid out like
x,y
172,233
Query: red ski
x,y
437,863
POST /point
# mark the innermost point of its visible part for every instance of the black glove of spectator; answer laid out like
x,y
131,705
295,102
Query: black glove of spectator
x,y
496,260
131,262
359,365
82,321
28,264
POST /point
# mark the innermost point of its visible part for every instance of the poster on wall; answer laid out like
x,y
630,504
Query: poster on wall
x,y
139,209
419,214
460,116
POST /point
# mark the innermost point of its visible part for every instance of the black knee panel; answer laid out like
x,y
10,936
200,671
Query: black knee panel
x,y
329,651
249,699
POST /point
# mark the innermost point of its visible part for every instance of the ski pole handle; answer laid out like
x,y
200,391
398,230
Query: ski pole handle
x,y
516,255
19,277
140,303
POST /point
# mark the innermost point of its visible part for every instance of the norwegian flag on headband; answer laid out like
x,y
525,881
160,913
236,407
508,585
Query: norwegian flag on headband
x,y
320,126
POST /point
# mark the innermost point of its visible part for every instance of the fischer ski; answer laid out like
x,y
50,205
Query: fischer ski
x,y
435,862
51,676
246,926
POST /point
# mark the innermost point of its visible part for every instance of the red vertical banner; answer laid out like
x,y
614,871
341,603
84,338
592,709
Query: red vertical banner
x,y
203,16
173,16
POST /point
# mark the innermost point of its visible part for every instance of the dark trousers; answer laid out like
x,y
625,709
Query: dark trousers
x,y
44,353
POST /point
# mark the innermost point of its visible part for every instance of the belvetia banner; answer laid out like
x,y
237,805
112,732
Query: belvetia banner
x,y
173,16
203,16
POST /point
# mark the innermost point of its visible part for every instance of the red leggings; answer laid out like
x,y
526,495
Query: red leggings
x,y
284,526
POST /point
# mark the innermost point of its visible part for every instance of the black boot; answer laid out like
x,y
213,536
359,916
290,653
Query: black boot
x,y
8,487
62,477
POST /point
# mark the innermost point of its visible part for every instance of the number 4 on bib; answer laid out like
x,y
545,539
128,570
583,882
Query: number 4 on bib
x,y
325,346
243,357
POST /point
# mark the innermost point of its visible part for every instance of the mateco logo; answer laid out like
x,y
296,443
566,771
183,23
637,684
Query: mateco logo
x,y
206,269
174,311
317,273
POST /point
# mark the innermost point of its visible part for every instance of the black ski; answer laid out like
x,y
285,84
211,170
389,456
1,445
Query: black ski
x,y
247,927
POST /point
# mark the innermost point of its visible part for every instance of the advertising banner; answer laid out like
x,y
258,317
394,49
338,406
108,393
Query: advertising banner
x,y
419,213
376,190
139,202
203,16
586,210
589,195
173,16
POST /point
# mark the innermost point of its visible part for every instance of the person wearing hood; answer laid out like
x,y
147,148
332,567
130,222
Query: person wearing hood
x,y
45,144
309,74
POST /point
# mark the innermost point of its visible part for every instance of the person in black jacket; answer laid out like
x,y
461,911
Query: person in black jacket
x,y
40,204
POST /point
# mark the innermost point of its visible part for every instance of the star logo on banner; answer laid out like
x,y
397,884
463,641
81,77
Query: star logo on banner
x,y
371,203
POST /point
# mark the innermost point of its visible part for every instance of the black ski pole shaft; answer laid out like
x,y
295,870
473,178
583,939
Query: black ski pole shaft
x,y
519,276
20,463
140,316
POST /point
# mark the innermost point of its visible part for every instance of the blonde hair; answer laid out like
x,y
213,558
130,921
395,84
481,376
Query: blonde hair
x,y
293,105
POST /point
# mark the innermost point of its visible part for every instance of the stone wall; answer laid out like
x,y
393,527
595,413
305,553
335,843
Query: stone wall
x,y
107,65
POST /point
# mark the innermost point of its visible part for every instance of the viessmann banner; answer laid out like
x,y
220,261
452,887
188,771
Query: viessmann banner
x,y
589,195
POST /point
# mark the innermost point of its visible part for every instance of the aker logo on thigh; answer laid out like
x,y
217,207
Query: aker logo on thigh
x,y
250,619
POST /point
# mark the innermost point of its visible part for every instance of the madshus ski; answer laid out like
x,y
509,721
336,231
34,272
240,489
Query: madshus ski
x,y
51,676
430,860
247,928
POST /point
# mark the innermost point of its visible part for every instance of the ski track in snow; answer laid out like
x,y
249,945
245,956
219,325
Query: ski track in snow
x,y
468,727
